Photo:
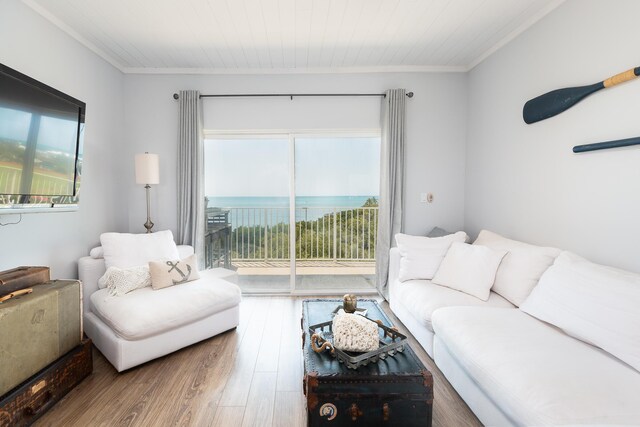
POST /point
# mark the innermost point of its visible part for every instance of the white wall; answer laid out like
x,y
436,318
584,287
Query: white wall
x,y
523,180
35,47
435,130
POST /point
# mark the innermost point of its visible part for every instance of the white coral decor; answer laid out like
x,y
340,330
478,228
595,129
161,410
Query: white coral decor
x,y
352,332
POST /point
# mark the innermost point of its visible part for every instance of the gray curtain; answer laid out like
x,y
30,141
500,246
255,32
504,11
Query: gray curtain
x,y
390,220
191,173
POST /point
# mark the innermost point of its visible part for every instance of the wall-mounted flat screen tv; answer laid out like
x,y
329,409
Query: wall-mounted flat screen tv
x,y
41,133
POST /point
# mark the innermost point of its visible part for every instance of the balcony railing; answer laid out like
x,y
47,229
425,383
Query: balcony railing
x,y
42,184
322,233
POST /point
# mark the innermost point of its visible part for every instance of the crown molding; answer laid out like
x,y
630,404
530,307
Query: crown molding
x,y
515,33
316,70
73,33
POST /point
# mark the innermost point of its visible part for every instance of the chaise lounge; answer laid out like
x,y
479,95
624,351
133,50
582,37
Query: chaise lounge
x,y
146,324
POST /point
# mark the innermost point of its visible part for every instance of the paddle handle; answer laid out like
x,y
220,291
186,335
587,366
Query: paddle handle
x,y
622,77
607,144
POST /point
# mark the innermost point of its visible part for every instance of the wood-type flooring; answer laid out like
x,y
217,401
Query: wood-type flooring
x,y
249,376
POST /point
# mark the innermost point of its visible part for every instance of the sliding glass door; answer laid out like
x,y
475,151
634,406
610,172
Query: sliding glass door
x,y
336,200
247,210
324,186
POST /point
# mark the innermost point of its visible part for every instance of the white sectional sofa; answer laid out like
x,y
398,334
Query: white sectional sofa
x,y
562,348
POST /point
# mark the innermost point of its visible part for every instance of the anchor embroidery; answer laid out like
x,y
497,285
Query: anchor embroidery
x,y
185,277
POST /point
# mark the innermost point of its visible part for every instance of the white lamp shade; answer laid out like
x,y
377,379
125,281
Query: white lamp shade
x,y
147,169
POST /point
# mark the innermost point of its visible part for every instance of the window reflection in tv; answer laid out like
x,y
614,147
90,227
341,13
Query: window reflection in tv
x,y
40,135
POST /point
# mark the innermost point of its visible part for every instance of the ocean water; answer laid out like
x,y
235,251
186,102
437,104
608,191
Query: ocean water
x,y
283,202
308,208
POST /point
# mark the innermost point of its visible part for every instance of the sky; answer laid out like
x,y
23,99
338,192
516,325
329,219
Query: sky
x,y
54,133
323,167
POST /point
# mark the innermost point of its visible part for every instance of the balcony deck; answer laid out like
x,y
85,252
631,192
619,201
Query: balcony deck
x,y
335,247
305,267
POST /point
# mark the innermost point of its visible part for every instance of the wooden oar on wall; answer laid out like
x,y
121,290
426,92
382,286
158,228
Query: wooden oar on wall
x,y
607,144
557,101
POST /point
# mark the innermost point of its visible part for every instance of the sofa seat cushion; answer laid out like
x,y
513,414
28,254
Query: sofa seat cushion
x,y
534,372
147,312
422,297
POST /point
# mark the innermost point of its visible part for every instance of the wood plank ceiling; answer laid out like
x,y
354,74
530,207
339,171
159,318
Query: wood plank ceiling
x,y
293,35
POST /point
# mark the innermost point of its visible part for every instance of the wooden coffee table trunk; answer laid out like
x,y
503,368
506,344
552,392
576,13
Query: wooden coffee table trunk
x,y
397,391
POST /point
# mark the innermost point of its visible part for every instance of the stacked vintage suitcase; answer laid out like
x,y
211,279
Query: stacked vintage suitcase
x,y
42,353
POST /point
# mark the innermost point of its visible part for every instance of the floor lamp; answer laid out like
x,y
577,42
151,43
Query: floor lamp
x,y
147,173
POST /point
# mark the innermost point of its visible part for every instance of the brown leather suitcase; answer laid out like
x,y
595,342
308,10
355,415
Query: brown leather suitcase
x,y
28,401
21,278
38,328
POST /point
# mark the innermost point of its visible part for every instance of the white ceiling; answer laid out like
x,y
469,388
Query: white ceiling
x,y
231,36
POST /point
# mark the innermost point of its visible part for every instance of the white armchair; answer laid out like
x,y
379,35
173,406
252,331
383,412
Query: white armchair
x,y
146,324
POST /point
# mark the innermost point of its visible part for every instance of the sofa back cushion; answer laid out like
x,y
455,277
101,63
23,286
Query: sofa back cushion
x,y
125,250
470,269
438,232
420,256
520,269
183,250
594,303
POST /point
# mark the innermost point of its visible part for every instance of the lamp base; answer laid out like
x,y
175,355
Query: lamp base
x,y
148,225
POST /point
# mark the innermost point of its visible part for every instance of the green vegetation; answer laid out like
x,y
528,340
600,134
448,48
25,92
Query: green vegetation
x,y
50,176
371,202
347,234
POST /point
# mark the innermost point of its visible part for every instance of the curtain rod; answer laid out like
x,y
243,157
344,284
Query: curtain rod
x,y
289,95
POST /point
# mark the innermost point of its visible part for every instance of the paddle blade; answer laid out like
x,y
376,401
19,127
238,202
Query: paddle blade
x,y
555,102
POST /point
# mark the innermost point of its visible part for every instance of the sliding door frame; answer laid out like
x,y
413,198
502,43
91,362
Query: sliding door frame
x,y
291,135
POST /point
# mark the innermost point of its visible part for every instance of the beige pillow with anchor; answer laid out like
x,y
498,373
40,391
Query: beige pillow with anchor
x,y
169,273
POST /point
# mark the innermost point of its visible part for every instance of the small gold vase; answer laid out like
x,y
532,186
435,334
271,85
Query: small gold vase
x,y
349,303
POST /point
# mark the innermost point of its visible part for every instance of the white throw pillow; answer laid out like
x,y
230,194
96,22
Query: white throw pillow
x,y
520,269
125,250
121,281
420,256
470,269
594,303
96,253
